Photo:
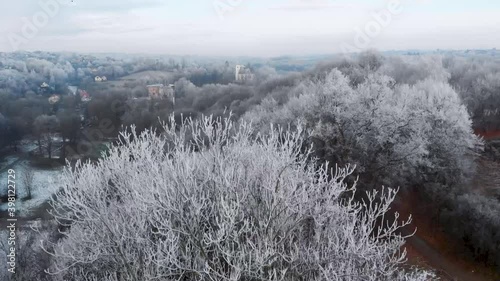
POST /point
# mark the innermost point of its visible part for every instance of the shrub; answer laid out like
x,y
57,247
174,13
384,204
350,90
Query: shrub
x,y
473,218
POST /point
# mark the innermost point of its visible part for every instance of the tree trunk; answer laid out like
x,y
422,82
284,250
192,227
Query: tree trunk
x,y
28,189
40,146
63,150
49,149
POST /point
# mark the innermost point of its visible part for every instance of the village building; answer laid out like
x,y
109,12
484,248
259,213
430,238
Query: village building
x,y
72,90
160,91
243,74
45,88
84,96
54,99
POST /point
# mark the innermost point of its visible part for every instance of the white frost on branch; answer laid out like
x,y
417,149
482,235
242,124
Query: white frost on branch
x,y
209,201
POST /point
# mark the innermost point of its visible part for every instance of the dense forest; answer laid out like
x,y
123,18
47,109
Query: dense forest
x,y
289,175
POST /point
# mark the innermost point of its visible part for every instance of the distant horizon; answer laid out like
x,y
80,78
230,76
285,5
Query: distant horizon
x,y
249,56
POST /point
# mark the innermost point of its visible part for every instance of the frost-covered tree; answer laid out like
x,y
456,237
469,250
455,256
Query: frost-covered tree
x,y
31,261
45,129
225,205
390,131
476,79
411,70
478,225
27,178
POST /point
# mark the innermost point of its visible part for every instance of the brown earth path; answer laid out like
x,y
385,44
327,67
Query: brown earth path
x,y
423,252
426,248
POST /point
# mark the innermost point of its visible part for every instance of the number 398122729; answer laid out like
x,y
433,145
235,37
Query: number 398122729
x,y
11,191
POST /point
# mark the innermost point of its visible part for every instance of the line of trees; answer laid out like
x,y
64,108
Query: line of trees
x,y
395,133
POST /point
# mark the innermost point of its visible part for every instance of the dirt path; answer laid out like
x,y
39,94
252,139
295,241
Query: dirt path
x,y
432,248
447,269
488,135
447,266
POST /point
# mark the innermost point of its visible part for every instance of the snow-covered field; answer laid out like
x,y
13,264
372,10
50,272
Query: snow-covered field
x,y
45,183
7,161
27,145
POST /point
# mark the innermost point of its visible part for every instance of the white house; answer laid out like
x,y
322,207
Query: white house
x,y
243,74
73,90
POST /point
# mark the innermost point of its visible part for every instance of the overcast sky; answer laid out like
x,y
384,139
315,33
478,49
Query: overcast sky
x,y
250,27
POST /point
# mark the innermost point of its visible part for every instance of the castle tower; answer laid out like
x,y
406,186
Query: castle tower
x,y
238,70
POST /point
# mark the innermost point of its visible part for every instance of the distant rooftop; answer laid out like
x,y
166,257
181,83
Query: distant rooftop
x,y
73,89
